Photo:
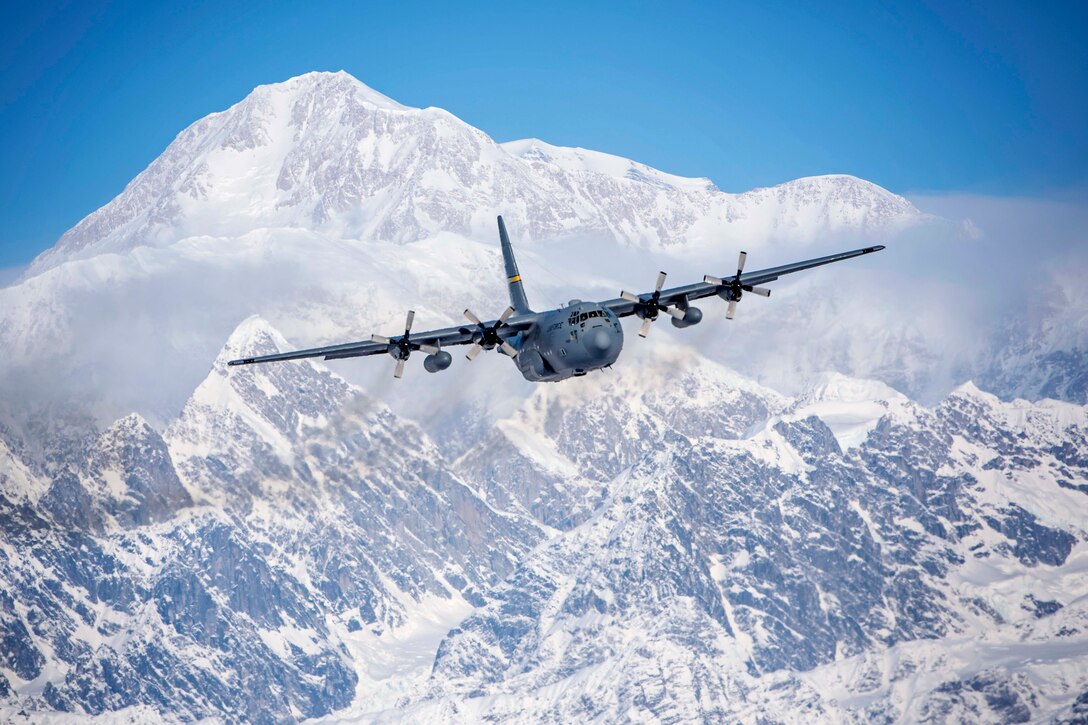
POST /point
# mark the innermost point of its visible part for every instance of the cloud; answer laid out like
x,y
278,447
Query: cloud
x,y
8,275
980,281
137,332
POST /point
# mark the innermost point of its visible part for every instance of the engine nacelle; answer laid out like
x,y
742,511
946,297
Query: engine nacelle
x,y
532,365
437,362
692,316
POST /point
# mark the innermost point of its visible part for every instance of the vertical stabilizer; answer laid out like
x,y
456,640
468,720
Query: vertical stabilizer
x,y
513,277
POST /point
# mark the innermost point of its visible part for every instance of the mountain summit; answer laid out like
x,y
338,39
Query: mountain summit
x,y
325,152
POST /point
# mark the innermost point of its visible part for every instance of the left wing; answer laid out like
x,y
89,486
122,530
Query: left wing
x,y
426,341
729,287
446,336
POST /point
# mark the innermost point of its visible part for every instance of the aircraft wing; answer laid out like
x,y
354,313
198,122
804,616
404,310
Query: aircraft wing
x,y
444,337
624,306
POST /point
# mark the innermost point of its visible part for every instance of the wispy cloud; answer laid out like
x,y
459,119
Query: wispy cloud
x,y
10,274
138,331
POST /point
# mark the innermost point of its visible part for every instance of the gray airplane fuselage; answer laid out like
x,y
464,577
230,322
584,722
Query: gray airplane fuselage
x,y
568,342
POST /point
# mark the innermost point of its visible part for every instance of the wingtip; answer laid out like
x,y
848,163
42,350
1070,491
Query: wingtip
x,y
876,248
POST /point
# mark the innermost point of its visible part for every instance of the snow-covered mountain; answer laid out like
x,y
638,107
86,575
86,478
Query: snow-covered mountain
x,y
742,521
326,153
237,565
800,572
673,541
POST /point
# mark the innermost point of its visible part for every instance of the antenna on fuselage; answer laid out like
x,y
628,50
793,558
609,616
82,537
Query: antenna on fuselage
x,y
513,277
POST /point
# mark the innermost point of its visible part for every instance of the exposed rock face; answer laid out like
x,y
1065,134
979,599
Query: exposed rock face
x,y
712,566
131,468
221,576
686,548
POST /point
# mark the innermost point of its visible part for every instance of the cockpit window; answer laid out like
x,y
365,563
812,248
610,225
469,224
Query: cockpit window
x,y
577,317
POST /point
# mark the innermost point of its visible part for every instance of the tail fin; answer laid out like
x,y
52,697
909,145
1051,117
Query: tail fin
x,y
513,278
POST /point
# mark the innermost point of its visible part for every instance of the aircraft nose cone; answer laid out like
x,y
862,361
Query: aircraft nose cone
x,y
599,340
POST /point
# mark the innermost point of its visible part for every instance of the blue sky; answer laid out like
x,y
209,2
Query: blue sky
x,y
972,97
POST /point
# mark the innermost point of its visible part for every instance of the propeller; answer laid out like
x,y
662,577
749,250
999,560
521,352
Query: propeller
x,y
648,308
489,337
401,347
734,289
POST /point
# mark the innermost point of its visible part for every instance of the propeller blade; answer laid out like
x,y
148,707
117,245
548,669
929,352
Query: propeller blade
x,y
660,281
506,314
645,329
509,349
761,291
408,322
677,312
430,349
399,372
629,297
712,280
740,262
474,351
732,310
471,317
380,338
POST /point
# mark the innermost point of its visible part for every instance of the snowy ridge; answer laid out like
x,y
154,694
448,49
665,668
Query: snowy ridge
x,y
541,155
647,591
323,151
851,408
318,522
17,481
699,533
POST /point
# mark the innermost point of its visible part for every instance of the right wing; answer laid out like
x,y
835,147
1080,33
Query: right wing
x,y
623,307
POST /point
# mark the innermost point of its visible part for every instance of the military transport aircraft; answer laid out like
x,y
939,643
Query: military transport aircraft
x,y
562,343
